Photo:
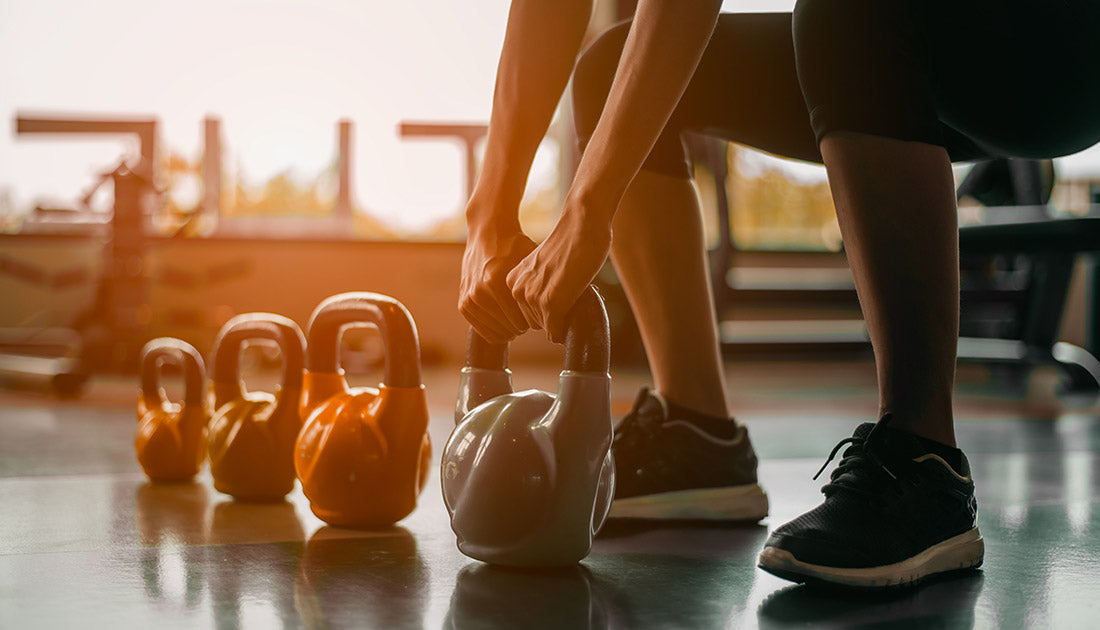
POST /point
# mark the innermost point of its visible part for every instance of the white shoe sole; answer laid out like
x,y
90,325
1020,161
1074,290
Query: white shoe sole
x,y
959,552
734,503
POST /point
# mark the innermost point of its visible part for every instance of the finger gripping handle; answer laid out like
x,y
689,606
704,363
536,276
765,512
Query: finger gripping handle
x,y
393,321
587,340
227,351
170,350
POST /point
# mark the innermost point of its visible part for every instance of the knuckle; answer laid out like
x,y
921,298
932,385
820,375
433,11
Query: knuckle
x,y
512,281
487,276
478,295
546,304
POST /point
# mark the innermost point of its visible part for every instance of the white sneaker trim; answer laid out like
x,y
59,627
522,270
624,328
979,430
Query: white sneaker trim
x,y
706,436
732,503
939,459
958,552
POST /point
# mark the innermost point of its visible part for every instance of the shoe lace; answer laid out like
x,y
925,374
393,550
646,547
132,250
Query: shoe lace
x,y
861,469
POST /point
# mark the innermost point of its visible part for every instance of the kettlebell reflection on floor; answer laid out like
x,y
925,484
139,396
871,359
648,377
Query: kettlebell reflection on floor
x,y
171,513
171,522
493,596
253,582
705,568
235,522
235,552
360,579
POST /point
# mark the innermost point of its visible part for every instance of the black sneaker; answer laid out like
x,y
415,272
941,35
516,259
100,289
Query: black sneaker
x,y
669,468
894,514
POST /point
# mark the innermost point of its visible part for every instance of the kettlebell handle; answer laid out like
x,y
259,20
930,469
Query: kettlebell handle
x,y
170,350
587,340
483,355
389,316
227,354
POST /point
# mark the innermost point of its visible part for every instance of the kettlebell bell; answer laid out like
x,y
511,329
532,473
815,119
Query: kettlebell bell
x,y
252,434
528,477
171,437
363,453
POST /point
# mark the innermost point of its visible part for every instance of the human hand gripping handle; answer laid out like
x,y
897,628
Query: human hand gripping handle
x,y
666,41
484,297
547,283
540,45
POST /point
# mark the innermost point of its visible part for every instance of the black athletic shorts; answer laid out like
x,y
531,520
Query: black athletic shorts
x,y
982,78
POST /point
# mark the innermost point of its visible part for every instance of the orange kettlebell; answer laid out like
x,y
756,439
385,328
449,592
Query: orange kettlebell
x,y
170,436
252,434
363,454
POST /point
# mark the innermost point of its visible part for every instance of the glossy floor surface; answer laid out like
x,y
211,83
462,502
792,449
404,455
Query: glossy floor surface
x,y
86,541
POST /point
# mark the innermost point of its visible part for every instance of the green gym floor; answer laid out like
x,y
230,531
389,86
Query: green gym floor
x,y
87,542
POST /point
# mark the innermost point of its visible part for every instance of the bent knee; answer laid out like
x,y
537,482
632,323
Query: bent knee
x,y
820,27
863,68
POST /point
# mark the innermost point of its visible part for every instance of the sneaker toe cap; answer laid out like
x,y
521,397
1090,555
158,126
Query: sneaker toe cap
x,y
818,549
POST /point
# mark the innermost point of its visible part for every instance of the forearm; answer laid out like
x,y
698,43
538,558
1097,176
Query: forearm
x,y
540,48
665,44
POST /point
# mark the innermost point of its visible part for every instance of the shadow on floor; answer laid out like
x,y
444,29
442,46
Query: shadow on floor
x,y
947,602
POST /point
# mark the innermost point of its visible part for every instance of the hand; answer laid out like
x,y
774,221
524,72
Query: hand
x,y
484,298
547,283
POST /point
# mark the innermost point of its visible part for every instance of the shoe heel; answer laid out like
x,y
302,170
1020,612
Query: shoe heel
x,y
966,552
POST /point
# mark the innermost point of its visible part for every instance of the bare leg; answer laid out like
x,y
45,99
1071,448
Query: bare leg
x,y
895,202
659,251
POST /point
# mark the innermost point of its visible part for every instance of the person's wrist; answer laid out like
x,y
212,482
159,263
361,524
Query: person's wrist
x,y
495,225
593,205
488,212
493,228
